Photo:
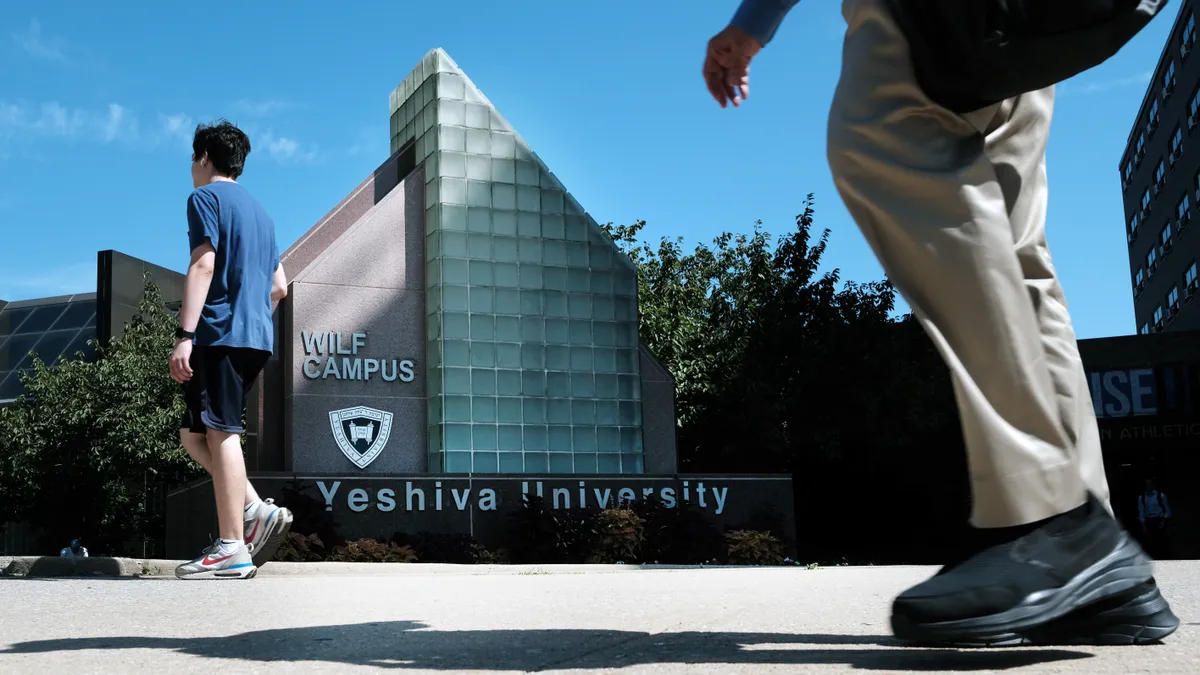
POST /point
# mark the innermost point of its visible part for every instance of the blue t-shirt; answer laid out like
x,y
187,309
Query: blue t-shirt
x,y
237,312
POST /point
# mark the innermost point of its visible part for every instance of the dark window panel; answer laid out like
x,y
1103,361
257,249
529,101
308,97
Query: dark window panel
x,y
50,347
10,385
91,323
10,319
15,350
77,315
80,345
41,319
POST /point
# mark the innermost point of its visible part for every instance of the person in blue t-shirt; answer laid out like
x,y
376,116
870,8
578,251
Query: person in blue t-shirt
x,y
223,341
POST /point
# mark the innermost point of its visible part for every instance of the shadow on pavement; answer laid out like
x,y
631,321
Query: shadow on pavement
x,y
409,644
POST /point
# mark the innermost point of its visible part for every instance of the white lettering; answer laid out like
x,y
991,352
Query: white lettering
x,y
331,367
719,494
487,499
355,369
357,500
312,343
460,503
1140,390
1113,382
420,494
667,495
565,494
686,496
383,371
328,493
602,498
387,501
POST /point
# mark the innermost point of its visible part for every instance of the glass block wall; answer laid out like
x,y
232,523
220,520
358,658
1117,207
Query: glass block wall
x,y
532,355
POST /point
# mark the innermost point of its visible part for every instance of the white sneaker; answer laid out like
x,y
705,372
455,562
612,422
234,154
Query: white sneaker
x,y
266,531
213,565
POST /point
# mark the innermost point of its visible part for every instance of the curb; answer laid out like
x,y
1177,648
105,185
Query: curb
x,y
49,567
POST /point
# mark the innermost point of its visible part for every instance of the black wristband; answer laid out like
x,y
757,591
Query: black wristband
x,y
181,334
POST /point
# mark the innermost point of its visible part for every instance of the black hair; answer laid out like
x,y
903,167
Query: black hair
x,y
225,145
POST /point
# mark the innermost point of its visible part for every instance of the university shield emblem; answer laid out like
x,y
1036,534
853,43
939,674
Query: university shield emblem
x,y
361,433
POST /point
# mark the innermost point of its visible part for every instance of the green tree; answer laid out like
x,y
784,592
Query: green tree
x,y
87,448
783,367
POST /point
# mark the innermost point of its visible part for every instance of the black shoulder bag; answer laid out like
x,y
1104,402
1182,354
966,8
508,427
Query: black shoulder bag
x,y
969,54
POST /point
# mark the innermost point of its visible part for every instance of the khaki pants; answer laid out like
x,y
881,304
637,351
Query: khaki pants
x,y
954,206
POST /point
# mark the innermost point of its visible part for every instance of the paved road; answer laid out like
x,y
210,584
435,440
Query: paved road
x,y
663,621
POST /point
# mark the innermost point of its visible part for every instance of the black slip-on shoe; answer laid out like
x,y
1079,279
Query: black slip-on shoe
x,y
1139,616
1053,569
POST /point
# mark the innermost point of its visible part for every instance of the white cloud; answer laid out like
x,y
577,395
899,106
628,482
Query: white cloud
x,y
34,43
23,124
112,124
73,278
368,141
261,108
1100,86
283,149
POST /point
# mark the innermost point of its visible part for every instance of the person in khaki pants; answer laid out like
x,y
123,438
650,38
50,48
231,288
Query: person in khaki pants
x,y
954,207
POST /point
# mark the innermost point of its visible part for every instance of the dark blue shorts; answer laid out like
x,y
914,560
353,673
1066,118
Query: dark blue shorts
x,y
215,397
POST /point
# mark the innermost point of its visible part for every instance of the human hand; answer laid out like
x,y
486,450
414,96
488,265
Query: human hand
x,y
181,361
727,65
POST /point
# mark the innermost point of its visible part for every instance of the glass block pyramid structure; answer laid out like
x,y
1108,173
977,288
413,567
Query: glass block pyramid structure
x,y
532,359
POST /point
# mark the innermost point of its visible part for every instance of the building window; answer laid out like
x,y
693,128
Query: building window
x,y
1146,199
1193,106
1165,237
1154,116
1141,147
1189,37
1176,145
1133,226
1160,173
1183,210
1138,278
1145,329
1189,277
1168,80
1152,260
1127,174
1173,298
1158,315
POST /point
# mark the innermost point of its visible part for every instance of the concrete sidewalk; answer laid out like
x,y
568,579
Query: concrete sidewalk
x,y
52,567
437,619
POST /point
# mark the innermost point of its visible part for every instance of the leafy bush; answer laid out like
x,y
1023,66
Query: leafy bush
x,y
371,550
540,534
457,549
296,495
301,548
680,535
753,547
618,534
90,448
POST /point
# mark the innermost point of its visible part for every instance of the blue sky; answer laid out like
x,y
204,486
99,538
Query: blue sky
x,y
98,101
